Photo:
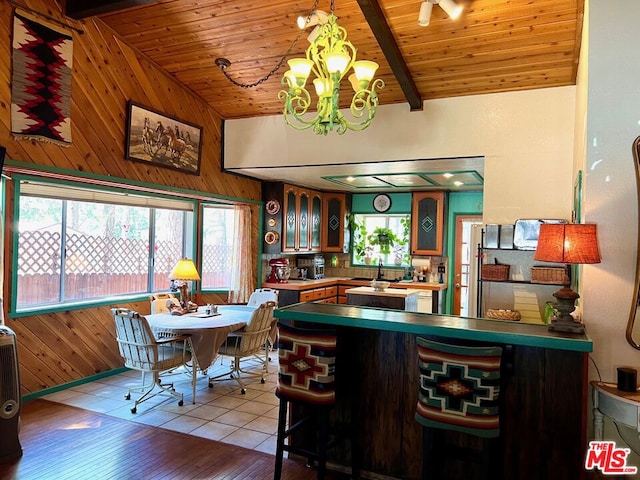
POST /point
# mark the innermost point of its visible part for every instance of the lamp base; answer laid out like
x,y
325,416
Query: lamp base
x,y
566,304
184,296
566,325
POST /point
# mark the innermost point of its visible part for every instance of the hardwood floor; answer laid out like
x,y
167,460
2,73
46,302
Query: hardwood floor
x,y
67,443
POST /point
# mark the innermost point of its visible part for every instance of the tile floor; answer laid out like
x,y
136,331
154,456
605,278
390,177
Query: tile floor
x,y
220,413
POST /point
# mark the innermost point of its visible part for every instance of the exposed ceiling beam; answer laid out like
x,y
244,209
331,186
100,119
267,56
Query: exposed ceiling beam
x,y
78,9
374,16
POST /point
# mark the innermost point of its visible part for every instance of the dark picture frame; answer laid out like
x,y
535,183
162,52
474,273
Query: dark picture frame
x,y
155,138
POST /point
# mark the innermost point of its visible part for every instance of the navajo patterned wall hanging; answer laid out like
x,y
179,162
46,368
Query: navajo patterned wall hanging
x,y
41,81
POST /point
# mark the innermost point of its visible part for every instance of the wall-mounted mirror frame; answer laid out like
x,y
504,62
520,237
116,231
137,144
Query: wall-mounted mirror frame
x,y
635,305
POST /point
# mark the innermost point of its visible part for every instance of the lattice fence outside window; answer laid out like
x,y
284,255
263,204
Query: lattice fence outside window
x,y
216,266
94,266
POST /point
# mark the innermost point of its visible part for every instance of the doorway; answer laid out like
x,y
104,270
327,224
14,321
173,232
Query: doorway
x,y
464,258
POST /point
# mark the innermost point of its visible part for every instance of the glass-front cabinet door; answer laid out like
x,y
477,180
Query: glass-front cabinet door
x,y
427,223
316,221
333,229
290,219
304,221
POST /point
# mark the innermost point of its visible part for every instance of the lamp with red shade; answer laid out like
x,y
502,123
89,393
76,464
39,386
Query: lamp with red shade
x,y
571,244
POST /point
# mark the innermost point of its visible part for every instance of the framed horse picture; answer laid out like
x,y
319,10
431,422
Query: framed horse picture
x,y
155,138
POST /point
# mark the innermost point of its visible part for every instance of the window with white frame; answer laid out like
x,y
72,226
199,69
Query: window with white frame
x,y
370,245
80,244
217,245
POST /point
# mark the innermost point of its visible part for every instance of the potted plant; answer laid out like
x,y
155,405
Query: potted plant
x,y
368,254
384,238
398,254
359,240
401,250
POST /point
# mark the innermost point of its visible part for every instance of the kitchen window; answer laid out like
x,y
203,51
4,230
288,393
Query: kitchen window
x,y
77,244
381,238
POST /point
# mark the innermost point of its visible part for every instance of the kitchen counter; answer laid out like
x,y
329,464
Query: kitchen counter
x,y
388,292
332,289
396,298
436,287
293,284
303,284
544,390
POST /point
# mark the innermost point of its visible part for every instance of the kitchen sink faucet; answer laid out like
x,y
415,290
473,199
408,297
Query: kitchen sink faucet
x,y
380,275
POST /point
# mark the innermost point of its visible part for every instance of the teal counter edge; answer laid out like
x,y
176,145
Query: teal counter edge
x,y
478,329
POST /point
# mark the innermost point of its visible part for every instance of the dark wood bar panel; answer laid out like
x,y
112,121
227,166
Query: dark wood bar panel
x,y
543,391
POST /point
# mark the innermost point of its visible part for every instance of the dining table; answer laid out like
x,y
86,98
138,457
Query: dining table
x,y
207,331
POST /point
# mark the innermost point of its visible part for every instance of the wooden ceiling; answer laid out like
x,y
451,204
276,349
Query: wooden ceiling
x,y
494,46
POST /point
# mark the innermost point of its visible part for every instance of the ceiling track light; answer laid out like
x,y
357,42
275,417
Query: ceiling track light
x,y
453,10
317,17
424,18
450,7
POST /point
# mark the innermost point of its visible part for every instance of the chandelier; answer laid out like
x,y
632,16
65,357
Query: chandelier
x,y
329,56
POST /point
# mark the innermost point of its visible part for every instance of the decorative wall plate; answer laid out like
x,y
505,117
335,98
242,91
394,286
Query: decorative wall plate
x,y
273,207
271,237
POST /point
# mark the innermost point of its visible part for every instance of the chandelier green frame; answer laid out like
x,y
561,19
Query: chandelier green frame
x,y
329,47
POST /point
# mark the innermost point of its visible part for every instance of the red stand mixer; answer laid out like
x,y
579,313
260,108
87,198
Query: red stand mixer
x,y
280,270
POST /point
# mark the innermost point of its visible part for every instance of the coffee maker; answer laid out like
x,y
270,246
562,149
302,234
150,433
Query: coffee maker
x,y
280,270
314,266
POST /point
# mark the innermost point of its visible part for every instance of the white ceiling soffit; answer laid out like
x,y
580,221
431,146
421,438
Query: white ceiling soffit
x,y
399,175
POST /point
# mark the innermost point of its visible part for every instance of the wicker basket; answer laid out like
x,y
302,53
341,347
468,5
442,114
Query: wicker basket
x,y
549,275
497,272
503,314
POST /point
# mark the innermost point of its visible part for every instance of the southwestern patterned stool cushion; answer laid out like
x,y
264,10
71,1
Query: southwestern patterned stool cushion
x,y
459,388
307,365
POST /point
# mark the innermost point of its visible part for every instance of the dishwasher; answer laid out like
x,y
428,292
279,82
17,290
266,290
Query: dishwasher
x,y
425,301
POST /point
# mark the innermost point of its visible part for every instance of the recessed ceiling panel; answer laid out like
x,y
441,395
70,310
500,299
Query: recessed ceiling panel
x,y
455,179
406,180
363,181
440,180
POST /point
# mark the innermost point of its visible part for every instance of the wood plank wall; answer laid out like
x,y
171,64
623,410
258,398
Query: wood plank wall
x,y
58,348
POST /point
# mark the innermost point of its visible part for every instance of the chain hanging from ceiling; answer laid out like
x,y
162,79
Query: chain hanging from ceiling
x,y
224,63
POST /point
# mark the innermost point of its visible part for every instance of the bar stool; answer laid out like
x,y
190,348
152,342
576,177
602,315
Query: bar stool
x,y
459,390
307,378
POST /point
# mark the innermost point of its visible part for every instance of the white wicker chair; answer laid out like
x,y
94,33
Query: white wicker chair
x,y
159,302
248,343
261,295
143,352
258,297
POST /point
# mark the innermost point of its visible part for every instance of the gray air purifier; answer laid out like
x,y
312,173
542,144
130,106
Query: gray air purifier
x,y
9,396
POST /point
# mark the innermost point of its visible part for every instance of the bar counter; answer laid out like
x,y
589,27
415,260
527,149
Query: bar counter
x,y
446,326
544,391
